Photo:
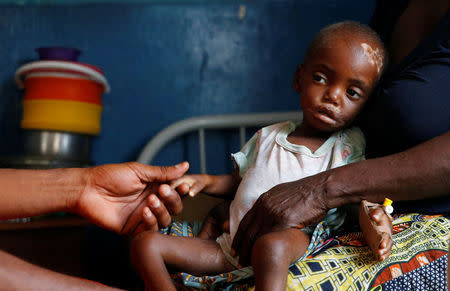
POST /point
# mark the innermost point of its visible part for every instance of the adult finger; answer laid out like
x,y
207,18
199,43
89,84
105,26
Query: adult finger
x,y
159,210
246,250
134,219
149,173
252,235
170,198
149,222
242,233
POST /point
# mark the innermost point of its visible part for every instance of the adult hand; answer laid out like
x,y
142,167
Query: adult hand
x,y
124,197
294,204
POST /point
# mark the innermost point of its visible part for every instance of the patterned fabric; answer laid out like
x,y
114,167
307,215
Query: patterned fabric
x,y
417,262
429,277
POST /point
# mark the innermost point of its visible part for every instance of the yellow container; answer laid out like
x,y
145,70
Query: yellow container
x,y
62,115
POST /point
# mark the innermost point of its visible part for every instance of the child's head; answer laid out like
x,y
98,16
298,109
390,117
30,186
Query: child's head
x,y
342,66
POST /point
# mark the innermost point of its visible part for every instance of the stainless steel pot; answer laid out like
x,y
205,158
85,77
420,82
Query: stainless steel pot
x,y
35,162
56,145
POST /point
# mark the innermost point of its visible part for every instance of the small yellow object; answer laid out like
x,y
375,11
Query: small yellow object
x,y
387,202
387,205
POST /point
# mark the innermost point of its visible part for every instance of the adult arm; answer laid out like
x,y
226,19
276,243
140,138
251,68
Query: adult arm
x,y
116,197
16,274
120,197
420,172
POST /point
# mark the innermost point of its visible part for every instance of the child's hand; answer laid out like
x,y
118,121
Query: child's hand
x,y
190,184
216,222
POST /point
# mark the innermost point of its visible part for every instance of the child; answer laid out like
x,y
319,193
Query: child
x,y
340,69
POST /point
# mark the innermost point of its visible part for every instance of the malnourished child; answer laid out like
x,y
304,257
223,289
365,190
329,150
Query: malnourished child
x,y
341,67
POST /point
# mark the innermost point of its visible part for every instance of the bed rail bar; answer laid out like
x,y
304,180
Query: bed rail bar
x,y
226,121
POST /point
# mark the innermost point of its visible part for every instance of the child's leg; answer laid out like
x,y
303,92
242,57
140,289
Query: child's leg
x,y
272,254
152,253
376,226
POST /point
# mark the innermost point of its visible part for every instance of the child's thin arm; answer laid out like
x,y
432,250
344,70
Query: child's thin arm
x,y
214,185
223,184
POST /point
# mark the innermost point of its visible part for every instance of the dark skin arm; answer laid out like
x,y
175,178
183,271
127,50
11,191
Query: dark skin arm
x,y
409,175
115,196
214,185
20,275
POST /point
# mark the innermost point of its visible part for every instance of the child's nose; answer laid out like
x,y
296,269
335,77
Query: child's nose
x,y
333,95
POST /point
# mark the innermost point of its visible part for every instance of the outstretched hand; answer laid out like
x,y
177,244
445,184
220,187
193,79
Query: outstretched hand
x,y
294,204
129,198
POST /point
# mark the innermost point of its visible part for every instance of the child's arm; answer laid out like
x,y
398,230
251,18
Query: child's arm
x,y
215,185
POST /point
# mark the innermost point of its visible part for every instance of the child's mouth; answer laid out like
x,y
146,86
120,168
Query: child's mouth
x,y
325,115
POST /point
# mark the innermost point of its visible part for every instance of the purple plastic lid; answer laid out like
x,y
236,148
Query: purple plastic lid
x,y
58,53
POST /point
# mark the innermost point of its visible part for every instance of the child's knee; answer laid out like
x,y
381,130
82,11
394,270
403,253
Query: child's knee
x,y
145,242
269,247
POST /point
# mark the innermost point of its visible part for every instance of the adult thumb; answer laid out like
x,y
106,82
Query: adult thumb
x,y
165,173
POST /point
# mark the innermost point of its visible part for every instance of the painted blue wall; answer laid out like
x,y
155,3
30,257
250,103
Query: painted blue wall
x,y
167,62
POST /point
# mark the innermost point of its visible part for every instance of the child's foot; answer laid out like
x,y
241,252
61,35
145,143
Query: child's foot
x,y
376,226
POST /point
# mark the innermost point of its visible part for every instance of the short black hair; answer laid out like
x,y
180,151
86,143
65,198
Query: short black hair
x,y
326,36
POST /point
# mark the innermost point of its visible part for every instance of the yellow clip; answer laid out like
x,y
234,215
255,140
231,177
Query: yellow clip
x,y
387,206
387,202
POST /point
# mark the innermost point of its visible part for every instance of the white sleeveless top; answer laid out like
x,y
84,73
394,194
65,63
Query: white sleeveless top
x,y
268,159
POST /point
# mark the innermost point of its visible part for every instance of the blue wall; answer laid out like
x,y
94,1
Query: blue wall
x,y
167,62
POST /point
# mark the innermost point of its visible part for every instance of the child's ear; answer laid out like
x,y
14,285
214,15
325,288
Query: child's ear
x,y
297,79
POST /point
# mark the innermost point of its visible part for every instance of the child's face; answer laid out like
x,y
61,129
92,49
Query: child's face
x,y
335,83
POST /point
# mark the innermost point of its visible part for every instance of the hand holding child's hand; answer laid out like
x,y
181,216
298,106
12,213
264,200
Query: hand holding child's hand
x,y
190,184
129,198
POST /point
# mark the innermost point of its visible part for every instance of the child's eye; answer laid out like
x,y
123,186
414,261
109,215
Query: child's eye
x,y
352,93
319,79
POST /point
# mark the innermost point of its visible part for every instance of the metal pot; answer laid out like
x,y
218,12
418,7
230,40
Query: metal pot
x,y
56,145
34,162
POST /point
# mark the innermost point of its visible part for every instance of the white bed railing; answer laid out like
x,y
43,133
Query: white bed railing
x,y
201,123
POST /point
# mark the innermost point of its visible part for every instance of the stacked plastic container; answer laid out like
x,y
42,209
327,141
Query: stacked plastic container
x,y
62,107
61,94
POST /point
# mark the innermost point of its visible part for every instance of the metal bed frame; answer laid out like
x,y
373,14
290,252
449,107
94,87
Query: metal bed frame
x,y
202,123
195,209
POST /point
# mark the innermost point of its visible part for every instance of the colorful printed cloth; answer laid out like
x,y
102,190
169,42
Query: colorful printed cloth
x,y
417,262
